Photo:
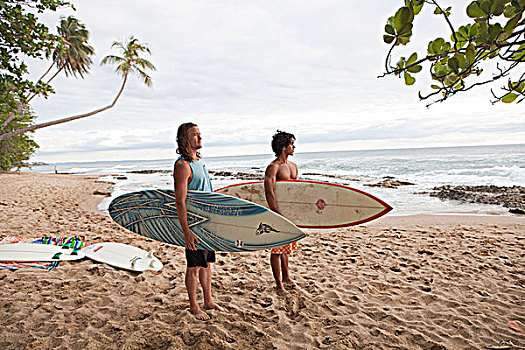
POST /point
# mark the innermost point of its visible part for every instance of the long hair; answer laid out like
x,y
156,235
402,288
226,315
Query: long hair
x,y
183,144
281,140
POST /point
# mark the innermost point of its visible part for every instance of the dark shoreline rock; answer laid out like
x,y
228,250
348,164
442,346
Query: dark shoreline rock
x,y
237,175
330,176
390,182
509,197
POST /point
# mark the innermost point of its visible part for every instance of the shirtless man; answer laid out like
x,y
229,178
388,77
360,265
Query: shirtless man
x,y
280,169
191,174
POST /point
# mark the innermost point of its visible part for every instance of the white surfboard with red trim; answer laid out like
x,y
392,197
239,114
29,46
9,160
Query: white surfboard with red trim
x,y
313,204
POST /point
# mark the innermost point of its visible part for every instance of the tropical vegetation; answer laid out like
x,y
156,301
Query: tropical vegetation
x,y
22,35
488,48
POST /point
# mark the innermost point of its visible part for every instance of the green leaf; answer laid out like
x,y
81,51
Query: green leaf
x,y
474,11
513,85
417,5
510,11
470,54
462,61
409,80
403,16
441,70
520,53
435,87
436,47
494,30
390,30
453,64
486,6
415,69
512,23
497,7
412,59
473,31
509,98
405,34
405,30
388,38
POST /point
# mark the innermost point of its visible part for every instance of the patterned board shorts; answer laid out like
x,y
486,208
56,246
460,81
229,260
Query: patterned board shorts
x,y
285,249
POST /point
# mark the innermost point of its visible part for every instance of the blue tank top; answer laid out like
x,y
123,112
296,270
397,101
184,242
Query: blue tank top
x,y
201,179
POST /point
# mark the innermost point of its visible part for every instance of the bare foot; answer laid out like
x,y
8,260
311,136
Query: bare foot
x,y
200,315
213,306
289,284
280,291
517,326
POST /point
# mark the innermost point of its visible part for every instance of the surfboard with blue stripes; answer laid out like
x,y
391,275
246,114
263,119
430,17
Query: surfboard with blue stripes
x,y
221,222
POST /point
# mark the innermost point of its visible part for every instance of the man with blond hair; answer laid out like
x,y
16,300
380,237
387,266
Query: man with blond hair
x,y
191,174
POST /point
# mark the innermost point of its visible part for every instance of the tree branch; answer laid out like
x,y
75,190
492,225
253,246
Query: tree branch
x,y
449,24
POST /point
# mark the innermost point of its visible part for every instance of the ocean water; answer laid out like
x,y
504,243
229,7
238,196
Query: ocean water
x,y
426,168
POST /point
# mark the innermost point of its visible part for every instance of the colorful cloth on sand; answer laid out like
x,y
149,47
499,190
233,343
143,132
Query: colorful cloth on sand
x,y
285,249
75,242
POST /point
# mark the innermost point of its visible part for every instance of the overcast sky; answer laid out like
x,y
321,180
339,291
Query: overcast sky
x,y
243,69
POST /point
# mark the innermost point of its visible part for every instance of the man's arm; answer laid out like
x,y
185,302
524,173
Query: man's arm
x,y
181,176
270,177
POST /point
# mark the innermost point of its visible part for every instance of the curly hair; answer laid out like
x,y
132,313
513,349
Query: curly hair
x,y
183,144
281,140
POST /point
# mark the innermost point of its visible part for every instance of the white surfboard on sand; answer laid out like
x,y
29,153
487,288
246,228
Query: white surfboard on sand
x,y
123,256
221,223
37,252
313,204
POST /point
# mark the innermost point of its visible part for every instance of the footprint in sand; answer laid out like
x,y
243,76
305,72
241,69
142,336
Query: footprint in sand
x,y
263,302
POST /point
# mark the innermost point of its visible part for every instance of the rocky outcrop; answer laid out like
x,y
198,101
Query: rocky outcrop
x,y
509,197
238,175
390,182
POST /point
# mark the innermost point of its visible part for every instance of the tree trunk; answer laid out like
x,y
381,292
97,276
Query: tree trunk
x,y
20,106
64,120
42,78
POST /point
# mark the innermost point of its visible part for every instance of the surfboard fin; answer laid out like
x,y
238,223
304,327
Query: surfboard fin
x,y
150,254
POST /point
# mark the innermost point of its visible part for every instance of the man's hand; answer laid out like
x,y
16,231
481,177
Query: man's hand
x,y
190,239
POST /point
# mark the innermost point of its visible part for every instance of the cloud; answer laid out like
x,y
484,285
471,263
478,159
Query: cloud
x,y
241,70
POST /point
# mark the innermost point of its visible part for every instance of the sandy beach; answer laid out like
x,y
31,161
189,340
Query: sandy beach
x,y
413,282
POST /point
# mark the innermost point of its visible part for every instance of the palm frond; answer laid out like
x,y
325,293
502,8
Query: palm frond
x,y
130,61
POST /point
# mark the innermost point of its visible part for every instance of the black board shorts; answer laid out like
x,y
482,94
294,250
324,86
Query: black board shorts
x,y
196,258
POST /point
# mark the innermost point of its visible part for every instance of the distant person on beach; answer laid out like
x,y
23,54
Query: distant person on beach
x,y
280,169
191,174
56,170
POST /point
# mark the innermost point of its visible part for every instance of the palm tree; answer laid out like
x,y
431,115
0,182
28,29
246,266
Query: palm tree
x,y
130,62
72,54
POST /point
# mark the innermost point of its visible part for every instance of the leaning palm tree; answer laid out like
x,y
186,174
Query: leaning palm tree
x,y
129,62
74,58
73,54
